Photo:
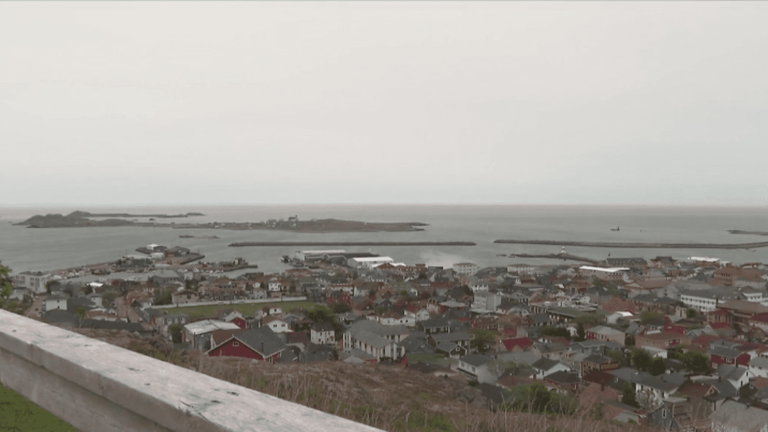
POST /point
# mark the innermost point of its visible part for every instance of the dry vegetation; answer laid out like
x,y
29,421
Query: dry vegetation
x,y
392,398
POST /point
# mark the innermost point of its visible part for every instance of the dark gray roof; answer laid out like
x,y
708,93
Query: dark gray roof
x,y
435,322
261,339
322,327
450,337
627,374
545,364
476,360
657,383
731,372
564,377
539,318
725,352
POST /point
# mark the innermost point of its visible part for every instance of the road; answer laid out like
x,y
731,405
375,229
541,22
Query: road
x,y
36,309
125,311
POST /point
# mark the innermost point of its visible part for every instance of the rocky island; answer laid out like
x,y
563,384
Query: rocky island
x,y
79,219
82,219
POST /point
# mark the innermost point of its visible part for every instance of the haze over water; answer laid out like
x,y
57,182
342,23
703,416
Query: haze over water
x,y
49,249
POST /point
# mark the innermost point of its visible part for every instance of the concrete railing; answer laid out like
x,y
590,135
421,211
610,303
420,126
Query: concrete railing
x,y
99,387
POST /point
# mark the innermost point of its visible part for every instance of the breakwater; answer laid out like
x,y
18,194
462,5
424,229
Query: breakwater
x,y
556,256
267,244
640,245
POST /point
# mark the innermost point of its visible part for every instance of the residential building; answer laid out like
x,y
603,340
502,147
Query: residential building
x,y
466,269
33,281
322,333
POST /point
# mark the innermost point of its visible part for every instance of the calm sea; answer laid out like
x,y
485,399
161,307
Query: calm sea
x,y
49,249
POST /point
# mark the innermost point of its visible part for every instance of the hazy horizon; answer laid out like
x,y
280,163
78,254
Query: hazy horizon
x,y
126,104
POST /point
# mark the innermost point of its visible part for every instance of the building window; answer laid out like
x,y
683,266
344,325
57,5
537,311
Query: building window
x,y
664,413
235,344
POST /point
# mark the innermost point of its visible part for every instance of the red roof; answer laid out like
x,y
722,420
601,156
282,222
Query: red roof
x,y
509,332
762,317
716,326
523,343
675,329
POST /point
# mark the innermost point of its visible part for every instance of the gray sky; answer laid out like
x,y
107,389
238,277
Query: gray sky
x,y
123,103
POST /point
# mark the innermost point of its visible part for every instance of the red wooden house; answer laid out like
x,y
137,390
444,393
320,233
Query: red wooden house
x,y
258,344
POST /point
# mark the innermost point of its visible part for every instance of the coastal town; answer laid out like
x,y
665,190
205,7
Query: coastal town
x,y
680,344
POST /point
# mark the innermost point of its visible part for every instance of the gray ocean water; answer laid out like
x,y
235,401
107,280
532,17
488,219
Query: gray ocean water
x,y
49,249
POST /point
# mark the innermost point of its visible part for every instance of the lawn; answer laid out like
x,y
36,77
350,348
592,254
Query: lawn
x,y
438,359
18,414
248,309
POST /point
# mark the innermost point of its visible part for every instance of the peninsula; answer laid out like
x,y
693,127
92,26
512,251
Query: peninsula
x,y
81,219
760,233
640,245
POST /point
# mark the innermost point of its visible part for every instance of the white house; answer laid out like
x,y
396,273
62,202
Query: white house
x,y
55,302
758,366
322,333
276,324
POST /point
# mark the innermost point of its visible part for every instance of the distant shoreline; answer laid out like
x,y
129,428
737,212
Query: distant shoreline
x,y
268,244
79,219
760,233
640,245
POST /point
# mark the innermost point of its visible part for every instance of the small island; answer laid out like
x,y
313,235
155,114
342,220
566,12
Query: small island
x,y
79,219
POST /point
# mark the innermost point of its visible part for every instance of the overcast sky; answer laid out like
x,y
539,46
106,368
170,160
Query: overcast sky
x,y
141,103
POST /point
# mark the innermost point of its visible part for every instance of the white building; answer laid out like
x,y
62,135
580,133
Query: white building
x,y
522,269
466,269
604,273
368,262
322,333
486,301
309,255
33,281
55,302
705,261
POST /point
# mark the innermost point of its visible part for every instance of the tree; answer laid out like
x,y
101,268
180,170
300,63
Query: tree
x,y
641,359
618,356
483,339
628,396
321,314
175,331
657,366
555,331
341,307
691,313
695,362
645,317
581,334
163,296
629,340
6,288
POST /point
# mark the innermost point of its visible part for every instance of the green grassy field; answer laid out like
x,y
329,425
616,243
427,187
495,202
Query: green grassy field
x,y
439,359
18,414
245,309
